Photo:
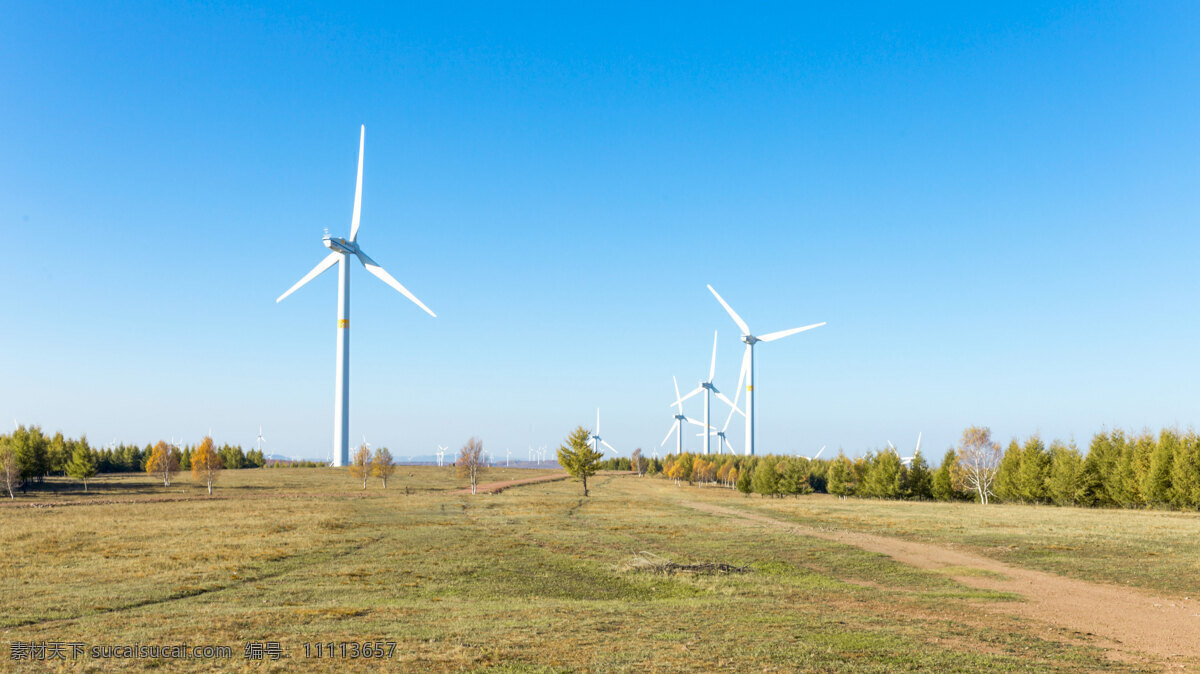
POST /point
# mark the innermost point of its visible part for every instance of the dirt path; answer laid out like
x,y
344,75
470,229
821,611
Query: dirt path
x,y
1128,620
497,487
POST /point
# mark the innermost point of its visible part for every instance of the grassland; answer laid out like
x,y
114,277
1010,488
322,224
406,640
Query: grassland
x,y
532,579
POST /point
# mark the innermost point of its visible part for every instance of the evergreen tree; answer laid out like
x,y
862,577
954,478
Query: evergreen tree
x,y
578,458
920,480
840,477
82,465
1033,472
943,478
1098,485
57,454
1064,481
1157,485
766,477
1008,474
793,476
885,479
1185,474
29,448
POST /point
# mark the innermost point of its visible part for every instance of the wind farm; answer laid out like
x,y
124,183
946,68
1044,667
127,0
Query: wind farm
x,y
876,250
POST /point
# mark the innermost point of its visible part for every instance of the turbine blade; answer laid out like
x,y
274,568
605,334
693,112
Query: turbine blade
x,y
712,367
328,262
784,333
677,399
695,423
818,454
732,407
362,137
918,449
382,275
732,314
673,427
891,445
610,447
737,395
692,393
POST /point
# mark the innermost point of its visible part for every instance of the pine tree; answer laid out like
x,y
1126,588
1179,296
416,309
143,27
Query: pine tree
x,y
1157,485
1033,471
745,479
793,476
82,465
943,478
1063,482
920,480
885,479
766,477
577,457
1185,474
1008,475
840,477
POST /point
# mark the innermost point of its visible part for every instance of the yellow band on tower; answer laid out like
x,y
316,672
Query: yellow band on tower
x,y
749,388
343,322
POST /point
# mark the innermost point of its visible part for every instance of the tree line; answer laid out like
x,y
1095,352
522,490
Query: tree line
x,y
1119,470
28,456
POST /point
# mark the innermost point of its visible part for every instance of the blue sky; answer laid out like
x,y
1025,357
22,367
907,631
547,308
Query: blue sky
x,y
995,209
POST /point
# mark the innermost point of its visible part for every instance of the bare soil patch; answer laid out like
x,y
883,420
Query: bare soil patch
x,y
1125,620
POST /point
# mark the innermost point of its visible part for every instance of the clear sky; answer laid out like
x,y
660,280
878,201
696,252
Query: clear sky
x,y
995,209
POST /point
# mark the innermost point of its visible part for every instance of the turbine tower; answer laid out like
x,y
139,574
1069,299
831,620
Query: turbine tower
x,y
748,361
709,390
342,249
597,440
722,441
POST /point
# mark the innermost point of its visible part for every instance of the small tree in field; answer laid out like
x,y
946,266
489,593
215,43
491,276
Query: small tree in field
x,y
10,471
471,461
163,462
978,461
638,462
82,464
206,463
360,464
577,457
382,466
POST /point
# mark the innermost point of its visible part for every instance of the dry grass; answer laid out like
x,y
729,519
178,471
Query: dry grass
x,y
528,579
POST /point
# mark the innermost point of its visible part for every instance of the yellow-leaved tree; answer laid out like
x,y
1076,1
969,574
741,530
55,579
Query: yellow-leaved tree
x,y
206,463
163,462
360,464
382,465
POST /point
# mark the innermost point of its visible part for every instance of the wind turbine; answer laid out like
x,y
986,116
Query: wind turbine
x,y
507,457
816,456
907,460
597,440
748,361
722,441
441,454
709,390
342,249
259,442
680,417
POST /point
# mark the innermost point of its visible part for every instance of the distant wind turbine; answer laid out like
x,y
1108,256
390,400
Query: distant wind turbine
x,y
680,417
342,249
907,460
707,387
597,440
748,361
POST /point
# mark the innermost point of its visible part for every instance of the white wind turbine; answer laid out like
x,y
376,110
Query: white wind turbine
x,y
748,361
342,249
722,441
907,460
259,442
597,440
680,417
816,456
441,454
707,387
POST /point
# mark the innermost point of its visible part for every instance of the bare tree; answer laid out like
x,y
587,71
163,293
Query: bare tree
x,y
10,471
163,462
360,464
471,461
382,466
206,463
978,461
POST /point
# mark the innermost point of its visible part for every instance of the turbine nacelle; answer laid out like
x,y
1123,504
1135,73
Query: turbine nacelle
x,y
340,245
750,339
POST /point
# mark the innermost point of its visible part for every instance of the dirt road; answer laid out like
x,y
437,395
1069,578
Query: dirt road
x,y
497,487
1126,620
